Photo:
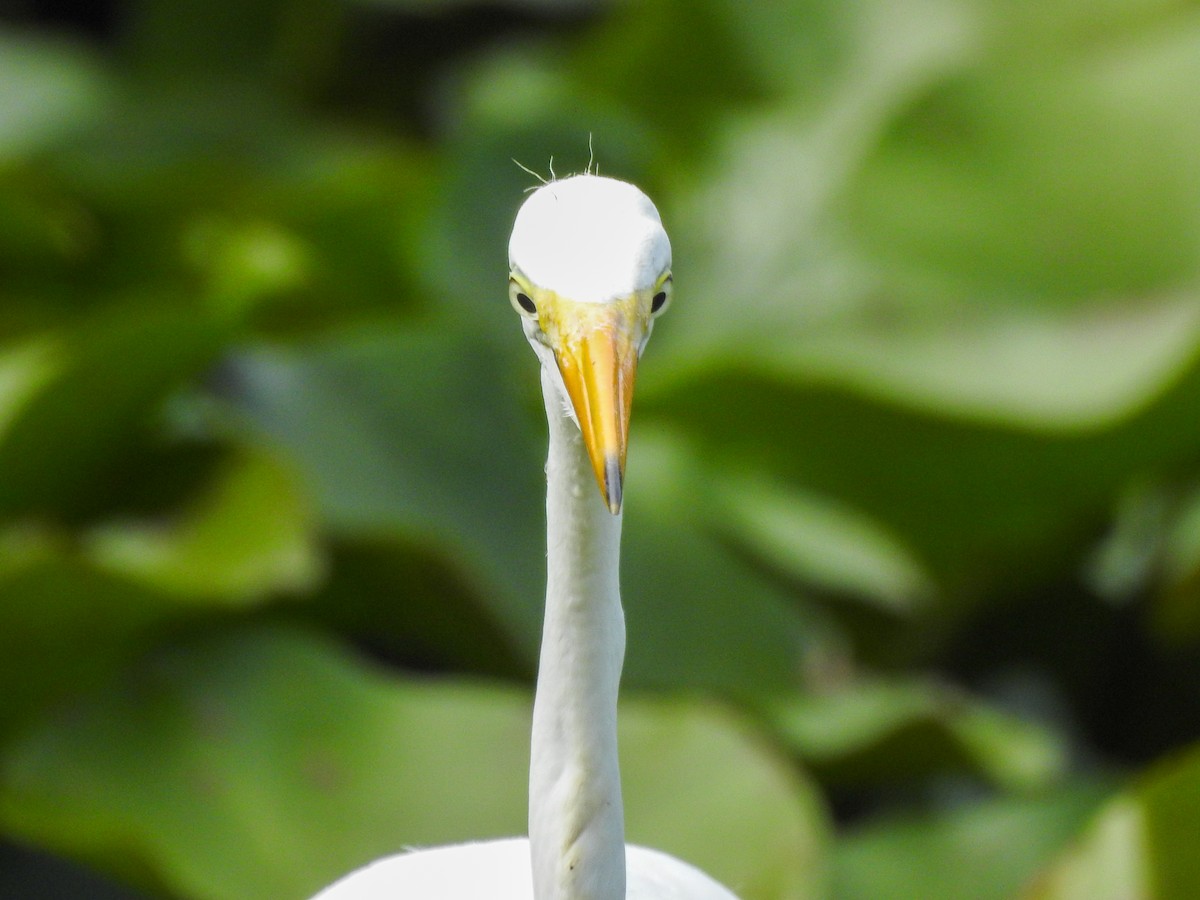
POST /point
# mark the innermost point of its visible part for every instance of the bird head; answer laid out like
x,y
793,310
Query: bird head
x,y
589,271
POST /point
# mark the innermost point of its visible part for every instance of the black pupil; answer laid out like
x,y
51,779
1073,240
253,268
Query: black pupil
x,y
657,303
527,303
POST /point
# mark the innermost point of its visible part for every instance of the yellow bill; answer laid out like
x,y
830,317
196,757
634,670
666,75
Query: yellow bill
x,y
596,350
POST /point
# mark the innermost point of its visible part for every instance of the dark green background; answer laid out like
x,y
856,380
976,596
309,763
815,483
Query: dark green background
x,y
912,550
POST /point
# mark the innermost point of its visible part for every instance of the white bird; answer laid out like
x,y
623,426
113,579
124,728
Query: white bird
x,y
590,270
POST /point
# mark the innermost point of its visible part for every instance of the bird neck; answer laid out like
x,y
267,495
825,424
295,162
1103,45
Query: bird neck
x,y
576,821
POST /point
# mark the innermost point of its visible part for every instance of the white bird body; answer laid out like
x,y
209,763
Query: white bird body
x,y
590,268
499,870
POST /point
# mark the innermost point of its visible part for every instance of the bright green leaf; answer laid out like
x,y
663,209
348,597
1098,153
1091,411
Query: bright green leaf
x,y
878,731
819,542
264,764
1044,173
49,89
1139,846
25,368
248,535
1053,372
962,495
1107,863
985,851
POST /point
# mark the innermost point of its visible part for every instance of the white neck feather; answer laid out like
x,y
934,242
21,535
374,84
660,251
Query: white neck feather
x,y
576,821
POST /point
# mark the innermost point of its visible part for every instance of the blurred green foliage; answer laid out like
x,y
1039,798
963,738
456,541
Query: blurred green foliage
x,y
912,550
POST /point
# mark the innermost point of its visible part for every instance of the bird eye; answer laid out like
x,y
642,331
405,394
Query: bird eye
x,y
660,301
520,300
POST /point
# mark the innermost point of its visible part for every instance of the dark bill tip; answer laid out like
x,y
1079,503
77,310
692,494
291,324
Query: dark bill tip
x,y
613,482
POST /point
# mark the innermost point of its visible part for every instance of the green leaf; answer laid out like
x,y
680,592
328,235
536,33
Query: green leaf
x,y
197,42
1177,611
693,69
1140,844
1107,863
672,750
263,764
77,607
398,434
25,368
63,625
396,597
819,542
963,495
814,310
994,180
939,232
699,615
401,437
879,731
50,89
74,431
242,262
985,851
429,6
1082,370
247,536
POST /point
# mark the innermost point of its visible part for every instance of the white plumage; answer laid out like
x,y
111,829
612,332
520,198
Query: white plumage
x,y
499,870
590,268
590,239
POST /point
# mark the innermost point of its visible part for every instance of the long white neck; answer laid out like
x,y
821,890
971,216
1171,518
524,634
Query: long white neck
x,y
576,821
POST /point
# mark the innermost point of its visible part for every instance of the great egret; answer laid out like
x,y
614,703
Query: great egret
x,y
590,270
